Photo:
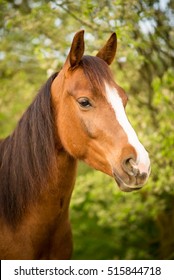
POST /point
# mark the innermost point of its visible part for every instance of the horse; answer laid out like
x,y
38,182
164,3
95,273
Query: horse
x,y
79,114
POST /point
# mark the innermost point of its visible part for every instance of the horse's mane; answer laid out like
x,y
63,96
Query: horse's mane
x,y
28,157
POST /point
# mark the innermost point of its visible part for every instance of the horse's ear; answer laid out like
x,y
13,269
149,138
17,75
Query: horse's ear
x,y
107,53
77,49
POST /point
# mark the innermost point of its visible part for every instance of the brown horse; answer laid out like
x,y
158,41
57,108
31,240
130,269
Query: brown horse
x,y
77,115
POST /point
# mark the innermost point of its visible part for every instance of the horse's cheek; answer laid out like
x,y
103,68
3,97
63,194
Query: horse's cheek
x,y
73,138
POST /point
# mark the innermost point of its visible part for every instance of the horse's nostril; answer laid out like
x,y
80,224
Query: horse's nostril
x,y
132,169
129,166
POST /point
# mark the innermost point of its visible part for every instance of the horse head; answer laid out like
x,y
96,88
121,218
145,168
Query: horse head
x,y
91,122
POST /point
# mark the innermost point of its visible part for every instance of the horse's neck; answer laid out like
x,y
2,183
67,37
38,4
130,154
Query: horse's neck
x,y
54,199
66,173
52,206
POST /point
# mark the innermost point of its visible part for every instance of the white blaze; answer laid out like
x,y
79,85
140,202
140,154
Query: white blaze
x,y
115,100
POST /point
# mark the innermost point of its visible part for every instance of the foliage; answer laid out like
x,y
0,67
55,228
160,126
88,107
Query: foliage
x,y
35,38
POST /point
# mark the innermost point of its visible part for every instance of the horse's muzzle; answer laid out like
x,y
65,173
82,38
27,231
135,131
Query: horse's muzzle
x,y
134,177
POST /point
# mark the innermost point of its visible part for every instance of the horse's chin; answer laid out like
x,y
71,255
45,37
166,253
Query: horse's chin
x,y
125,187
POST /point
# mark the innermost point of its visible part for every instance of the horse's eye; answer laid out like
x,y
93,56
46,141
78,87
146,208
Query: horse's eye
x,y
84,102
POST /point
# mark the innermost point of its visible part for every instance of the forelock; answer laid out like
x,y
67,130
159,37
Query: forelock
x,y
97,71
